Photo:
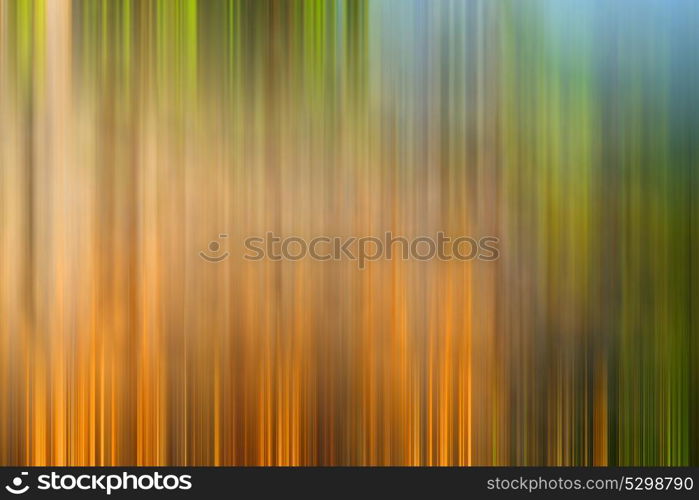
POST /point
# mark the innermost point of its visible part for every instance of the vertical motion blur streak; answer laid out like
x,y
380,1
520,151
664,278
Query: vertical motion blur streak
x,y
133,133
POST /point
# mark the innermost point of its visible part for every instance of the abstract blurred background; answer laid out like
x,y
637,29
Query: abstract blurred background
x,y
132,133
